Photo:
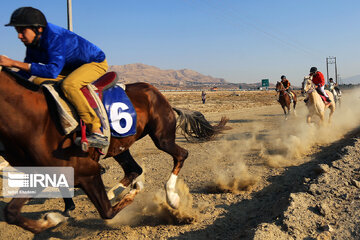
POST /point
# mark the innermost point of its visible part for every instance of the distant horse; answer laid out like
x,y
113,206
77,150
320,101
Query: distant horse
x,y
336,93
315,104
31,137
284,99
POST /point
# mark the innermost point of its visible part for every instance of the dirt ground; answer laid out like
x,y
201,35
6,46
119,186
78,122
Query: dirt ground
x,y
265,178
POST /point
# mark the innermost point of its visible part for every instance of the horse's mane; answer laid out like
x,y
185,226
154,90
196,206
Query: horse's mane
x,y
21,80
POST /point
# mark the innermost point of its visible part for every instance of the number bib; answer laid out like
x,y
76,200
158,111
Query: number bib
x,y
120,111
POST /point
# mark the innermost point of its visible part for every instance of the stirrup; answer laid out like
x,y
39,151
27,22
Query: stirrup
x,y
97,140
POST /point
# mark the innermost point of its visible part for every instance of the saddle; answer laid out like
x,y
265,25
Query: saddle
x,y
69,120
322,97
291,94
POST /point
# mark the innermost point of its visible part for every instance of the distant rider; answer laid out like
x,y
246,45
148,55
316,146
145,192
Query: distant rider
x,y
286,83
203,97
333,85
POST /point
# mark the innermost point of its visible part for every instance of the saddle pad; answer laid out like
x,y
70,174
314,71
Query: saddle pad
x,y
120,111
67,114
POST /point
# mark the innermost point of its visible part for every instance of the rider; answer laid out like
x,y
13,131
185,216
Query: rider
x,y
286,83
319,80
333,84
54,53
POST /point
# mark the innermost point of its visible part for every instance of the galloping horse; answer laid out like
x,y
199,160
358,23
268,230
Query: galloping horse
x,y
315,104
31,137
284,98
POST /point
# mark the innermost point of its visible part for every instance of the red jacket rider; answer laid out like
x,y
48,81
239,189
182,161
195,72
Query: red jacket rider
x,y
318,79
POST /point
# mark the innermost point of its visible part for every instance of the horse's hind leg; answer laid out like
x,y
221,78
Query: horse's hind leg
x,y
132,171
308,118
165,141
179,155
12,215
294,107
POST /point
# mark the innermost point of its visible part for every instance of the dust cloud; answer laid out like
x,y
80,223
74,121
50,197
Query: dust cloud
x,y
152,209
295,138
283,146
235,177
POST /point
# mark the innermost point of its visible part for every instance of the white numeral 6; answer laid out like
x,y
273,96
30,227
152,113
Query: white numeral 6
x,y
116,115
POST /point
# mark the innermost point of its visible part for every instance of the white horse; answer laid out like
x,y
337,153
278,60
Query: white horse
x,y
336,92
315,104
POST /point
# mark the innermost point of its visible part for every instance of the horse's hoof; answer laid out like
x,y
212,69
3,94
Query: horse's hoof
x,y
173,199
54,218
138,185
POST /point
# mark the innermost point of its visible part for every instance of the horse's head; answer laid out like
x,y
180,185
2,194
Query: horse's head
x,y
307,84
279,86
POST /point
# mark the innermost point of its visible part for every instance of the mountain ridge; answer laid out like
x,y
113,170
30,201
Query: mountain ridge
x,y
138,72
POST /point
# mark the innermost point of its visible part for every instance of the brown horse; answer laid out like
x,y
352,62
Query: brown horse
x,y
31,137
284,98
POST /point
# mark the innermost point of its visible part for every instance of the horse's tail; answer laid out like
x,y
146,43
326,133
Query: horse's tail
x,y
196,128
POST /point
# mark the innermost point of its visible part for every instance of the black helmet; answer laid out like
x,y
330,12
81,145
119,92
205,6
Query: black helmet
x,y
283,76
313,70
27,17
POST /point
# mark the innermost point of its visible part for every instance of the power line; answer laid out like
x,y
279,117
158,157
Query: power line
x,y
225,14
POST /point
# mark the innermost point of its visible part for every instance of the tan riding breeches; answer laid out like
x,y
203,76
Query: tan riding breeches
x,y
72,84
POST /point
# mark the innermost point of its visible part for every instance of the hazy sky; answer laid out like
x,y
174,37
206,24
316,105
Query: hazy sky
x,y
238,40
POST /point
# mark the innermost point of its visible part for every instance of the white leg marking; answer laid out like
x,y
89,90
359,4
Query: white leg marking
x,y
115,191
54,218
172,197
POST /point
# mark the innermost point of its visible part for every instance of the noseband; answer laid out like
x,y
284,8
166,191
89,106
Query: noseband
x,y
311,89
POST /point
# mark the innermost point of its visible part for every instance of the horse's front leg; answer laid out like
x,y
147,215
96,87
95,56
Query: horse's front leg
x,y
13,216
132,172
95,189
332,109
285,113
69,206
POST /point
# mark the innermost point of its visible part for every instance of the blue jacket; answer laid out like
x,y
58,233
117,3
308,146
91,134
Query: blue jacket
x,y
60,49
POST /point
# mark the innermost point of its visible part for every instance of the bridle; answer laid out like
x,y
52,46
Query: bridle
x,y
311,89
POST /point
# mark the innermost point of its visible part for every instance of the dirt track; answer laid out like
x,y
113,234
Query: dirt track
x,y
266,178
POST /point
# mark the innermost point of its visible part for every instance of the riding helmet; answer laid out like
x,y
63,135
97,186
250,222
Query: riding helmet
x,y
27,17
313,70
283,76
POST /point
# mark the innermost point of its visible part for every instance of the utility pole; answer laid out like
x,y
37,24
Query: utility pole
x,y
69,15
331,60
